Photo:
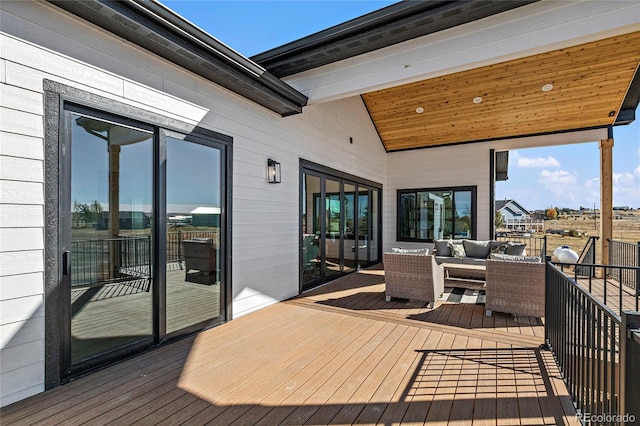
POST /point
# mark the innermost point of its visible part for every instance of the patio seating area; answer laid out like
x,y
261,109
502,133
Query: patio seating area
x,y
339,354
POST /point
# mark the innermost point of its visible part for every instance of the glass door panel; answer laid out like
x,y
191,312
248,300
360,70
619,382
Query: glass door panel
x,y
333,228
193,234
349,230
363,226
375,229
110,248
311,229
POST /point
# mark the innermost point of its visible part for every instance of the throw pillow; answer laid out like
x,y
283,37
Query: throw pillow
x,y
457,250
442,247
516,249
498,249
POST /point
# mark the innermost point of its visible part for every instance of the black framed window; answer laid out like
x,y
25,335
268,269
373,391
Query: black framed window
x,y
429,214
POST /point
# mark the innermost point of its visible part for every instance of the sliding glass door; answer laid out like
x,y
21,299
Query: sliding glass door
x,y
143,232
109,254
340,224
194,171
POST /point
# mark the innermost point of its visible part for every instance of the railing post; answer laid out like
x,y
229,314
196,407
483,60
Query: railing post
x,y
179,246
637,283
629,368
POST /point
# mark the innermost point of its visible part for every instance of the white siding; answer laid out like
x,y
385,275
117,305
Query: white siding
x,y
39,41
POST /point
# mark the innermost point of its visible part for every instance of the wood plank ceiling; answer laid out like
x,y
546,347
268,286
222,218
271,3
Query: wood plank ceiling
x,y
589,83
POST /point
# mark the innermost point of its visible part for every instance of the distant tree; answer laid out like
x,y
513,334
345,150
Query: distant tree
x,y
551,213
84,213
499,220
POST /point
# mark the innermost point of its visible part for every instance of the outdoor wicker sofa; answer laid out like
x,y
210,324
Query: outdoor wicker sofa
x,y
413,276
516,287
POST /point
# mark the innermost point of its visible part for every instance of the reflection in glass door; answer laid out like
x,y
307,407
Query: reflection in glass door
x,y
349,230
108,256
374,227
363,226
311,264
194,194
334,207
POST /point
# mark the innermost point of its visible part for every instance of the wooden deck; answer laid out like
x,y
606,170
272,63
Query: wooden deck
x,y
615,296
337,355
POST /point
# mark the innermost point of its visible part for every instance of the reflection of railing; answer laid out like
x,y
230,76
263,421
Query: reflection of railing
x,y
175,239
125,258
626,254
110,260
595,348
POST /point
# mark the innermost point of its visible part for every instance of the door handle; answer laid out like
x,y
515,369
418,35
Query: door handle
x,y
66,262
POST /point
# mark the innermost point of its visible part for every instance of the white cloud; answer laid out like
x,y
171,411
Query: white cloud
x,y
538,162
561,184
557,177
623,179
626,188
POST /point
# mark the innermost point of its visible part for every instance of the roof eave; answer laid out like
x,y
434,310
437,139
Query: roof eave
x,y
157,29
385,27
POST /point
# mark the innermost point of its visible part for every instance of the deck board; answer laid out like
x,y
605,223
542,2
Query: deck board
x,y
339,354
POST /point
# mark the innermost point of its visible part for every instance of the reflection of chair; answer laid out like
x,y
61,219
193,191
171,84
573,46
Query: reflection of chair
x,y
310,252
413,276
200,255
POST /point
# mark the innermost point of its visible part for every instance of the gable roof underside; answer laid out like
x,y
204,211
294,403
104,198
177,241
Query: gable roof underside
x,y
595,84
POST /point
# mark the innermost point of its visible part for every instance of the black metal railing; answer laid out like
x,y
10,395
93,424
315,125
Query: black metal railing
x,y
623,253
593,350
587,256
536,246
604,282
110,260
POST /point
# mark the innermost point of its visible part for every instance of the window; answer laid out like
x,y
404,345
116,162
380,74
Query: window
x,y
436,213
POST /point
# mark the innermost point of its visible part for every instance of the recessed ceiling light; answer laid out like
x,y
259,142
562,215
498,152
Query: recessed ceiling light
x,y
419,110
477,100
547,87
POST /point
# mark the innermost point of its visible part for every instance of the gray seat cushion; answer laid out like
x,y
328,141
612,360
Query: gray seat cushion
x,y
448,259
474,261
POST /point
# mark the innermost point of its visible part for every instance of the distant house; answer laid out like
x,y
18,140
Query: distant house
x,y
511,210
128,220
518,218
206,216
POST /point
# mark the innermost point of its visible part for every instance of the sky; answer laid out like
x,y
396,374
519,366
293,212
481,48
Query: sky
x,y
562,176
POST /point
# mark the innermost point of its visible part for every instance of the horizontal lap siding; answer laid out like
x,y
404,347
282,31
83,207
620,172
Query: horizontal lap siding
x,y
435,168
41,42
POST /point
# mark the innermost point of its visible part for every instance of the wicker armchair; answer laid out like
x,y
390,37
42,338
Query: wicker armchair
x,y
515,287
411,276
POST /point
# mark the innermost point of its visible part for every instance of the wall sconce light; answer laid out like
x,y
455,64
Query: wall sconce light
x,y
502,165
273,171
